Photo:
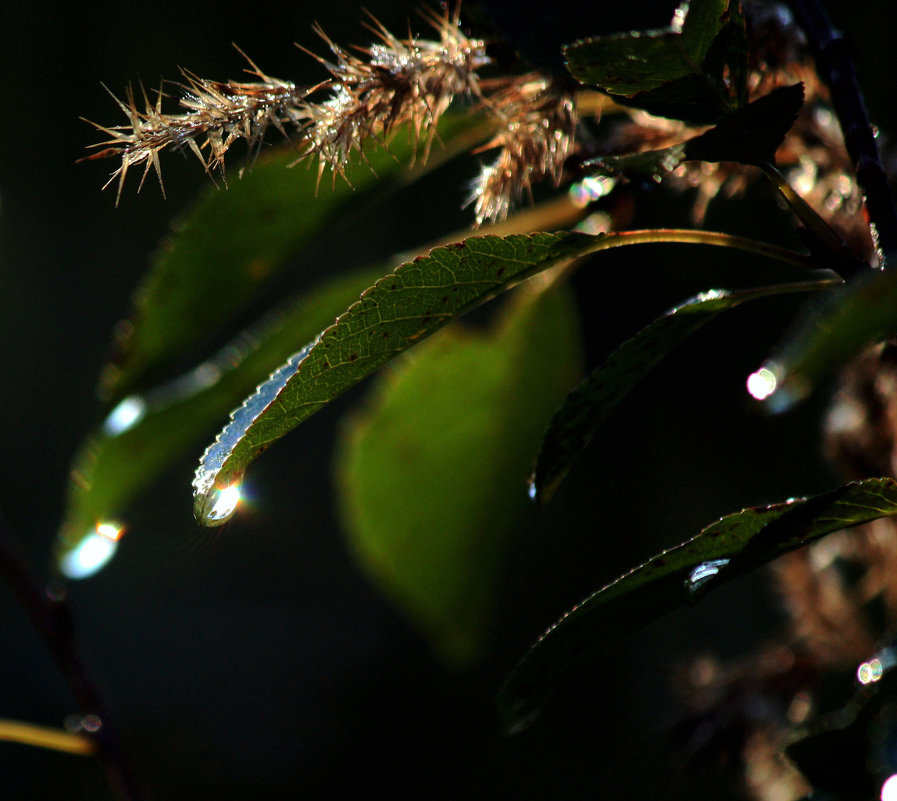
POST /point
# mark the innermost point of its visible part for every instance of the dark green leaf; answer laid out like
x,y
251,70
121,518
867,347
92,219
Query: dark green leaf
x,y
629,63
235,241
749,135
695,69
586,408
848,321
431,473
752,134
397,312
144,435
732,546
393,315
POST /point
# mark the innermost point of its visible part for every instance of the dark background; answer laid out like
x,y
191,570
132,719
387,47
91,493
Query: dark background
x,y
257,662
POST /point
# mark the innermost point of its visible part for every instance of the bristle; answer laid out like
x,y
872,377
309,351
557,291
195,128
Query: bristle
x,y
409,81
534,141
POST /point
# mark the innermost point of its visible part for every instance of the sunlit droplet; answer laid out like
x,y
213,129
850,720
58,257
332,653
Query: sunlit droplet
x,y
125,416
532,490
83,723
590,189
224,504
679,18
92,553
870,672
703,573
889,789
762,383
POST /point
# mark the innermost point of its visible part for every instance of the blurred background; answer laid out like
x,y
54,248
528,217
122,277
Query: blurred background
x,y
256,660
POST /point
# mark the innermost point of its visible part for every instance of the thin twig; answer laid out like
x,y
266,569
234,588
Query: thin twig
x,y
52,620
834,251
15,731
831,52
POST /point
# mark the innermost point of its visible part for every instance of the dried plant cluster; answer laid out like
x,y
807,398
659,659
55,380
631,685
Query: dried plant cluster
x,y
394,82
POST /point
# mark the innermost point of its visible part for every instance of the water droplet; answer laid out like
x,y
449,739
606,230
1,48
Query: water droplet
x,y
889,789
219,506
590,189
762,383
702,574
209,507
83,723
93,553
532,492
870,672
125,416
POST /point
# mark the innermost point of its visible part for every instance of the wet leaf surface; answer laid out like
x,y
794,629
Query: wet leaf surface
x,y
147,434
730,547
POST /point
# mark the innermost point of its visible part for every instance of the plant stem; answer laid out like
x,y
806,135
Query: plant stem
x,y
840,258
52,620
831,52
689,236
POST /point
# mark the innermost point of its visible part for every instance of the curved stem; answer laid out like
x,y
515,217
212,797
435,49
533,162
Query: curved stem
x,y
831,52
52,620
842,260
712,238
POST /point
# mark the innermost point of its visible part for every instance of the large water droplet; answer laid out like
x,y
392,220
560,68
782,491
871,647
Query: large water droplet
x,y
219,505
870,672
889,789
762,383
93,552
701,575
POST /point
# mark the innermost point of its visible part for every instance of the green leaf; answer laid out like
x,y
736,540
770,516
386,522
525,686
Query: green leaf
x,y
397,312
749,135
589,405
146,434
694,69
431,473
830,335
235,241
730,547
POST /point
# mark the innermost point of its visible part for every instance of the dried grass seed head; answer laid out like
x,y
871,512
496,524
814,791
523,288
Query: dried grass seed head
x,y
536,138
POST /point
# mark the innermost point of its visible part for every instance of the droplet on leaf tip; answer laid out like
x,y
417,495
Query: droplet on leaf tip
x,y
219,505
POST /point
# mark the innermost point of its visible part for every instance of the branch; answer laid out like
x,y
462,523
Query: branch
x,y
831,52
51,618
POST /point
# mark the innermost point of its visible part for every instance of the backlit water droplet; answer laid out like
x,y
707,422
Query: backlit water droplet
x,y
214,505
93,553
870,672
703,574
762,383
219,505
125,416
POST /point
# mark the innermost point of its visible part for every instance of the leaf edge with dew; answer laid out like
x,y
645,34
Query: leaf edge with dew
x,y
279,406
682,574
